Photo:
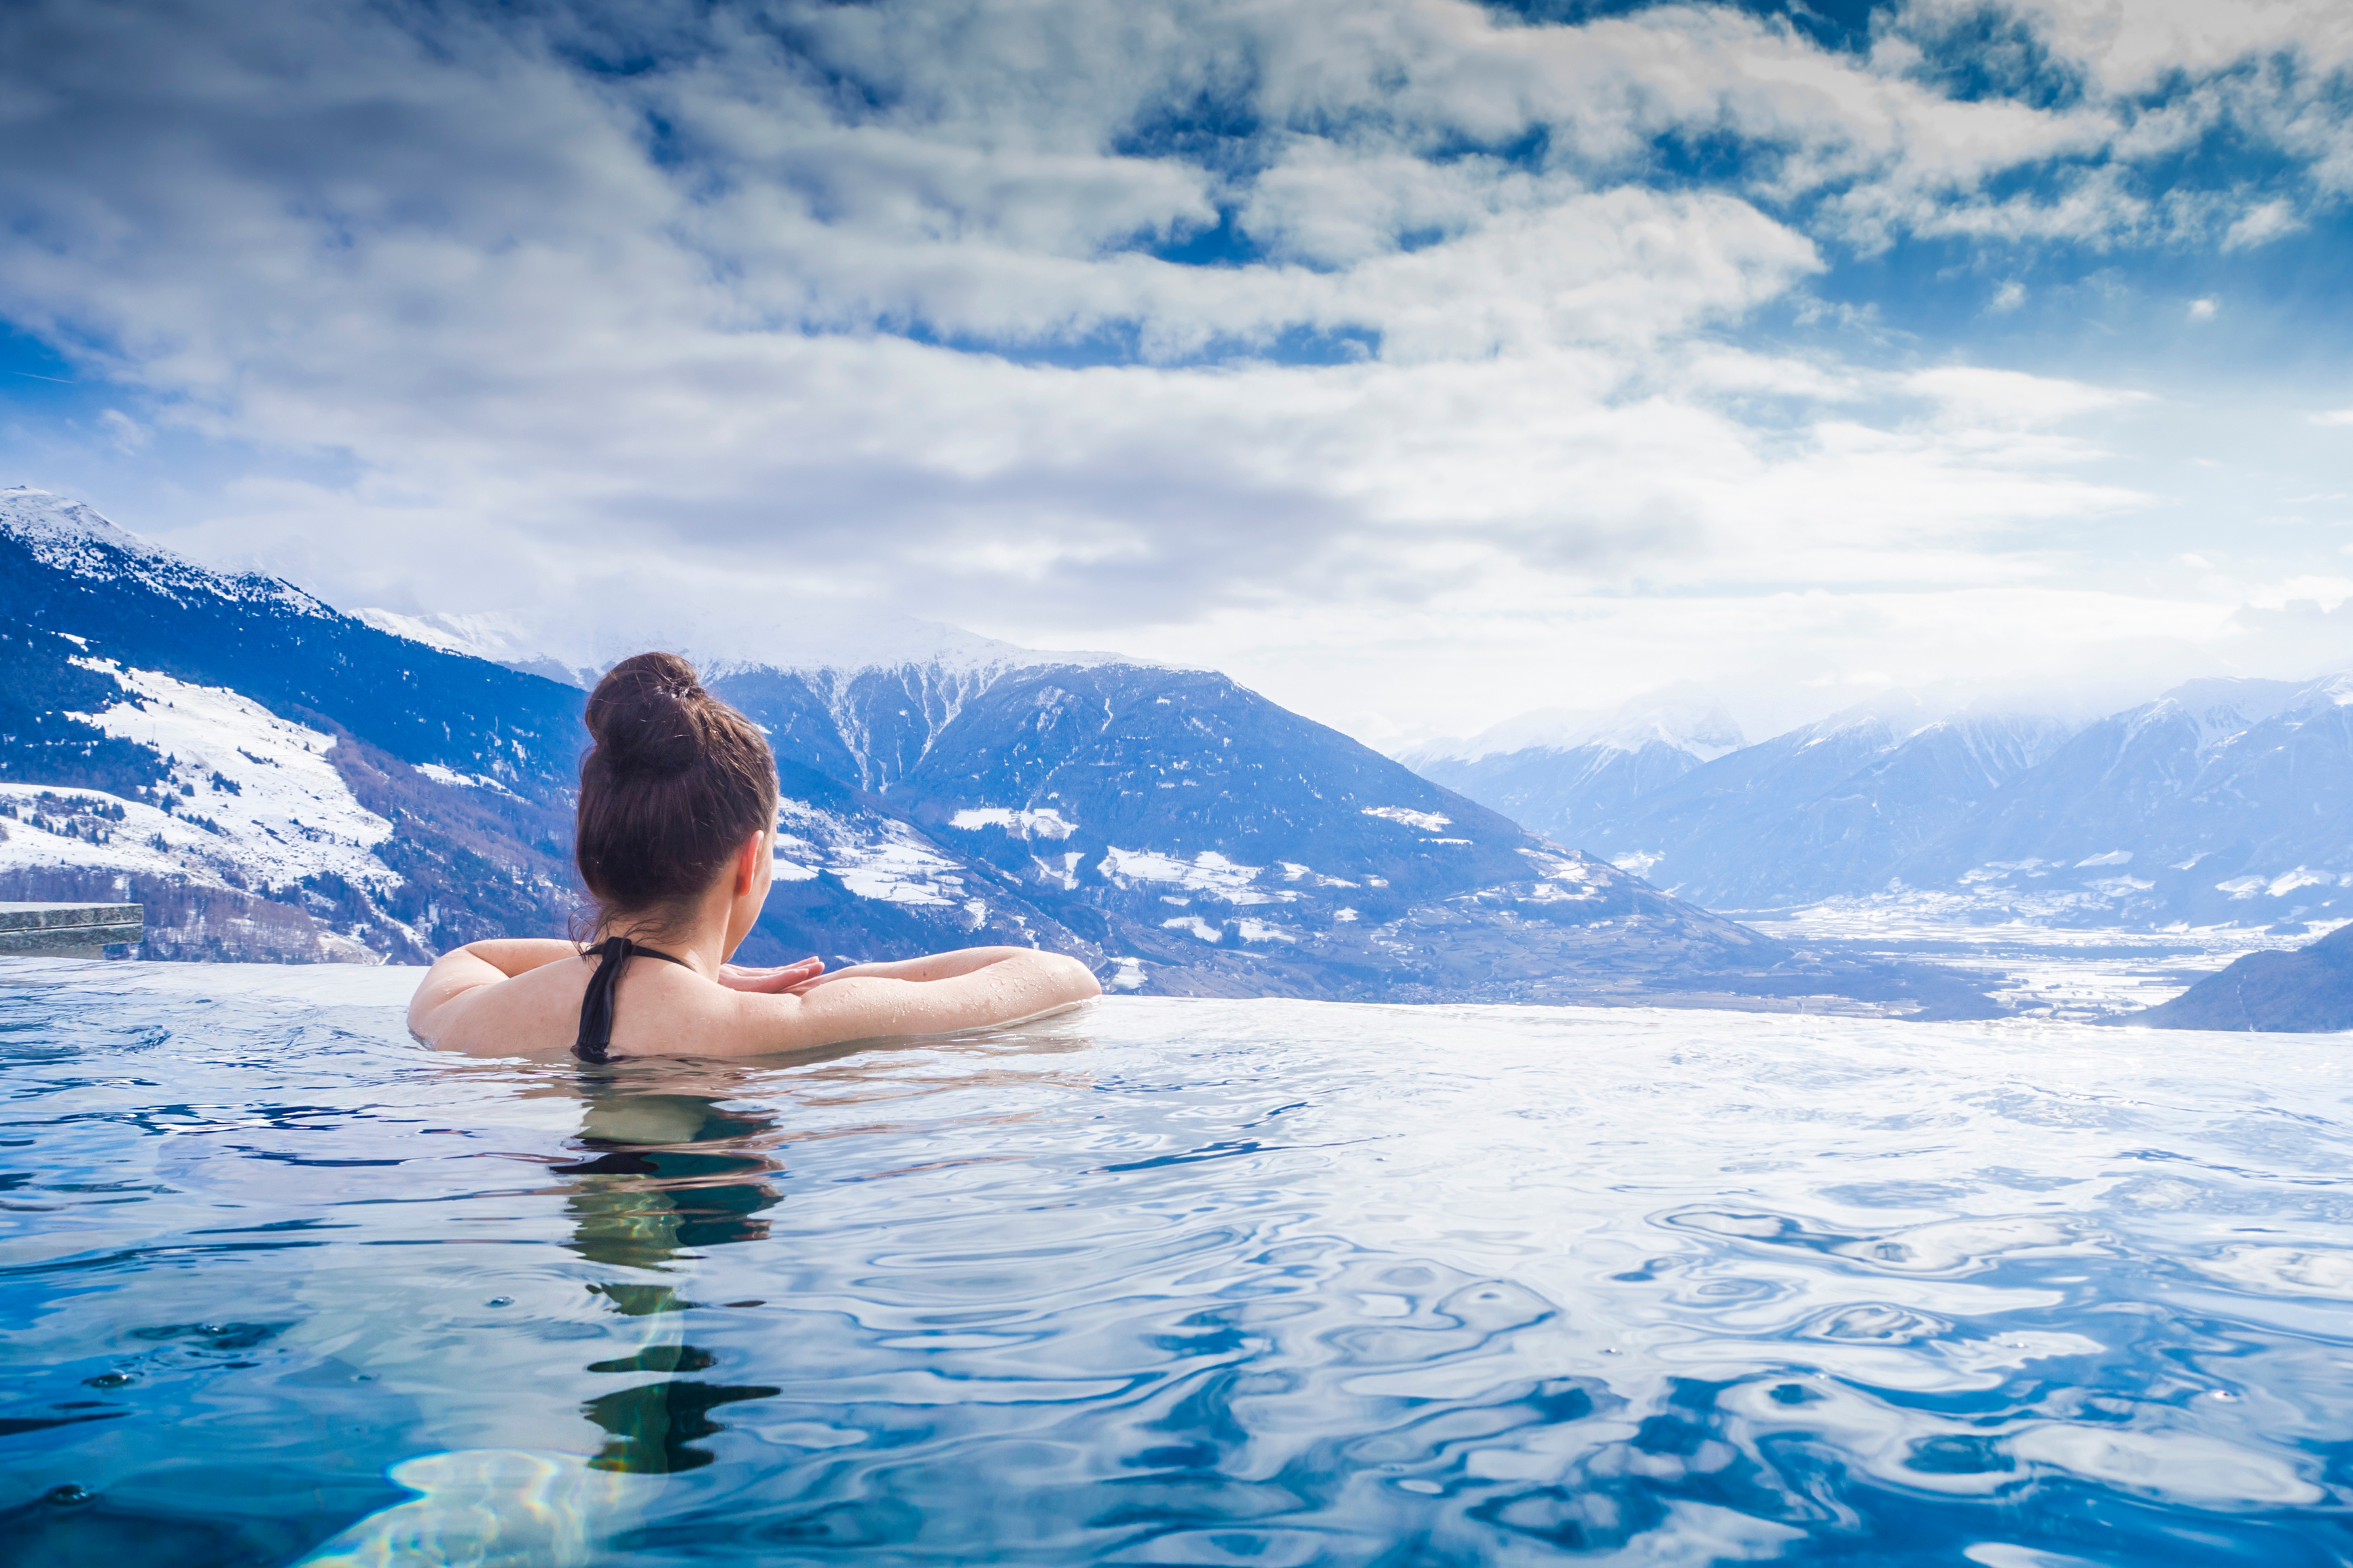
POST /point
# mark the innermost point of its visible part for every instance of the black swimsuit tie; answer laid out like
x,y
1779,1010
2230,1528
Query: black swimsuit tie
x,y
613,956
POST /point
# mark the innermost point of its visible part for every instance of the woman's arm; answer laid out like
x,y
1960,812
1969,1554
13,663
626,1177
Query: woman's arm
x,y
931,965
464,970
930,995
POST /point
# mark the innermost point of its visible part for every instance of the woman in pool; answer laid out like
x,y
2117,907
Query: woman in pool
x,y
675,842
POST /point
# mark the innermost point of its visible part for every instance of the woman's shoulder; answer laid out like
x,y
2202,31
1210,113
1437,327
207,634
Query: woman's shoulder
x,y
489,1013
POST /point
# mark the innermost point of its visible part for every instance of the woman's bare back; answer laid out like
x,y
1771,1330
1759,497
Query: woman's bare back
x,y
522,997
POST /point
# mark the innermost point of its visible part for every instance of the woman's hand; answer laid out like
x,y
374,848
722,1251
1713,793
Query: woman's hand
x,y
785,979
935,995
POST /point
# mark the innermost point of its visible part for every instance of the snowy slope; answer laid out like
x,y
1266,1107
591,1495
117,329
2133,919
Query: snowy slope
x,y
260,782
246,804
69,572
271,778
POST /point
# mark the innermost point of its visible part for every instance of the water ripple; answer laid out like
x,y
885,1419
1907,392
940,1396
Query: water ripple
x,y
1172,1282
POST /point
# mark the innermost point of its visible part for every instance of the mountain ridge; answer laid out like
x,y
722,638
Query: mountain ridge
x,y
2216,803
275,778
552,642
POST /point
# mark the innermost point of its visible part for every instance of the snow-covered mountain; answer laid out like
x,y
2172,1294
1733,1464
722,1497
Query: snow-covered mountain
x,y
1825,810
936,742
273,778
1207,841
500,637
2221,802
1560,772
566,643
1684,716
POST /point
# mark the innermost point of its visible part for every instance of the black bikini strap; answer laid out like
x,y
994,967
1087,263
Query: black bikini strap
x,y
613,956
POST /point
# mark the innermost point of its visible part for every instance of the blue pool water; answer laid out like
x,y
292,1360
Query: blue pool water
x,y
1166,1282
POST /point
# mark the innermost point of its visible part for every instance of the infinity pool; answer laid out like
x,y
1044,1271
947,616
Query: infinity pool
x,y
1166,1282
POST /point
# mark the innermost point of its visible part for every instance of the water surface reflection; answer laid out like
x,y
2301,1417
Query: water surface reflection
x,y
661,1175
1180,1282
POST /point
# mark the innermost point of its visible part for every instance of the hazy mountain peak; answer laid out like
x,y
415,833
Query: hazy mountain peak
x,y
1911,710
1907,712
1887,719
492,635
2251,700
2223,706
893,643
576,644
1684,718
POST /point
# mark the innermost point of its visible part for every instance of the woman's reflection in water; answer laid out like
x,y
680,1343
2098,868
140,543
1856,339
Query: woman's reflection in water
x,y
663,1176
666,1174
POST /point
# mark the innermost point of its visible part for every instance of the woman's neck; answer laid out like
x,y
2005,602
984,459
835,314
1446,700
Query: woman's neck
x,y
697,937
702,932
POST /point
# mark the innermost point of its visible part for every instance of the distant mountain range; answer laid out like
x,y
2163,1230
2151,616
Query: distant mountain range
x,y
1199,837
576,643
2222,802
1570,774
275,779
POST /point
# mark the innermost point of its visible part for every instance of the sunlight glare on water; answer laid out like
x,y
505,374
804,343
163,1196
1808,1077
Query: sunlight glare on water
x,y
1165,1281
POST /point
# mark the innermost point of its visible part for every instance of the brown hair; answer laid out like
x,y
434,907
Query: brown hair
x,y
674,782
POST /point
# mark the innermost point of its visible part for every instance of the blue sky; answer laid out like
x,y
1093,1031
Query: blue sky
x,y
1420,362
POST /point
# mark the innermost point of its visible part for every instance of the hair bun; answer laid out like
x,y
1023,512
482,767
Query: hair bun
x,y
649,716
676,782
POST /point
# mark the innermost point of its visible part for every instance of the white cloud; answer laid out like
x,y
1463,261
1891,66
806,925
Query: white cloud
x,y
871,306
2129,47
2266,222
1970,395
2203,309
126,434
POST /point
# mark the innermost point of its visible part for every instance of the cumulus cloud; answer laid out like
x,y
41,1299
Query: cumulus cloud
x,y
1074,319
